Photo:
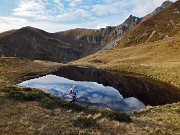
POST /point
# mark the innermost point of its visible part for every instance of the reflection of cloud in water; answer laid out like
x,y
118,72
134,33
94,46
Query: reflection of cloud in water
x,y
90,93
134,103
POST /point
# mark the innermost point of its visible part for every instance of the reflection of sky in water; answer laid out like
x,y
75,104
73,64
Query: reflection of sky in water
x,y
90,93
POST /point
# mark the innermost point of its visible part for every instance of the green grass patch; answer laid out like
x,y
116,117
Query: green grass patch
x,y
24,93
48,103
119,116
84,122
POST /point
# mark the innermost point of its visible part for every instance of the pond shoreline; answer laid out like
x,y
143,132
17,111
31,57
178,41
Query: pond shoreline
x,y
88,93
147,90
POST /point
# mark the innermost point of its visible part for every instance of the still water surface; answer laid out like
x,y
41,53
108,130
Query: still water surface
x,y
89,93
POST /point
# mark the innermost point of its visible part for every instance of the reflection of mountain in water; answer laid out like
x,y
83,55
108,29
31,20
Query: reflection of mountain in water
x,y
88,93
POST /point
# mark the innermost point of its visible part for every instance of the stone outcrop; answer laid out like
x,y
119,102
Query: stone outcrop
x,y
162,7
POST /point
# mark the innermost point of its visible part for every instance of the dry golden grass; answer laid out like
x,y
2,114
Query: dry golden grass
x,y
16,70
159,60
29,117
163,25
6,33
24,111
159,120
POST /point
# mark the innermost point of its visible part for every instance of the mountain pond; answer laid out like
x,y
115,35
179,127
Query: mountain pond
x,y
88,93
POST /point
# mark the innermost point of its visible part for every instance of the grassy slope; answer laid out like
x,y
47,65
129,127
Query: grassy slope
x,y
16,70
156,57
159,60
40,113
156,27
24,110
146,49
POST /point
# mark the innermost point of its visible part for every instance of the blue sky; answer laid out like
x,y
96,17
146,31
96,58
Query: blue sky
x,y
59,15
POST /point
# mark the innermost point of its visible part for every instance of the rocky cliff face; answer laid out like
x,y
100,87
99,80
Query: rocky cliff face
x,y
162,7
91,41
119,30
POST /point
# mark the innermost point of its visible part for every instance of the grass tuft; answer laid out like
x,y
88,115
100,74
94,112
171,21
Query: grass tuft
x,y
119,116
84,122
74,132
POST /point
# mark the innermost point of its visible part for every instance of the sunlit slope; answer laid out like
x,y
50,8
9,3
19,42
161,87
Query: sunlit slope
x,y
160,60
151,48
155,27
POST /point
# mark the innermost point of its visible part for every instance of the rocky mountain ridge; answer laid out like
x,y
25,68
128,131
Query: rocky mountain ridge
x,y
33,43
163,24
162,7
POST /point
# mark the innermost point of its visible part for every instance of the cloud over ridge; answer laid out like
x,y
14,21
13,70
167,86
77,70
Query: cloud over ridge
x,y
72,13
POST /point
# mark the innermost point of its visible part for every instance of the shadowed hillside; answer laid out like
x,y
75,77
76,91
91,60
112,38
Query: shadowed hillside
x,y
33,43
66,46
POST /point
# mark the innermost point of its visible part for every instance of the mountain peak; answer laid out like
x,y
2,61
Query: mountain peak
x,y
162,7
131,20
166,3
131,16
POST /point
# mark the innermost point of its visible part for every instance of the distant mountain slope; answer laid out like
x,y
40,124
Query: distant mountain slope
x,y
33,43
93,40
6,33
162,25
66,46
151,48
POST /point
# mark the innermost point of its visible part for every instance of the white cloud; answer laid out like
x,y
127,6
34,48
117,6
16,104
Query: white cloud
x,y
59,5
104,9
136,7
142,9
72,4
56,15
73,14
57,1
81,13
75,1
11,23
8,23
31,8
